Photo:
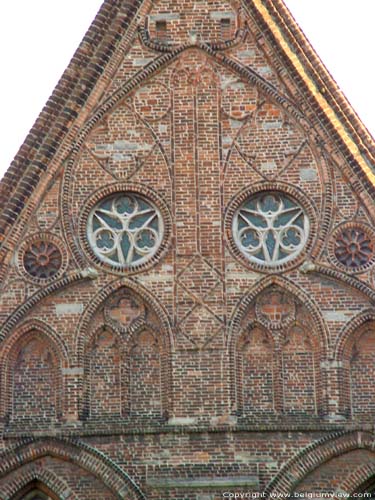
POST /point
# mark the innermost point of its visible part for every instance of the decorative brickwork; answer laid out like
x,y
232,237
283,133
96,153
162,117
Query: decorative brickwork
x,y
281,360
42,258
187,267
33,474
32,383
352,247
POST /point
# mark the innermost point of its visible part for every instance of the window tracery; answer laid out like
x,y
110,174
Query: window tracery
x,y
270,228
125,229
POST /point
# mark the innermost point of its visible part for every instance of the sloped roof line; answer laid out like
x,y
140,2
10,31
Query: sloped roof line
x,y
85,67
314,61
322,87
88,64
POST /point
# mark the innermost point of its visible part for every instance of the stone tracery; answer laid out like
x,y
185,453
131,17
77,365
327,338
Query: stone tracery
x,y
125,229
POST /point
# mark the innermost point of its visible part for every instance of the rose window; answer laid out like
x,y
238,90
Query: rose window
x,y
42,259
124,229
270,228
354,248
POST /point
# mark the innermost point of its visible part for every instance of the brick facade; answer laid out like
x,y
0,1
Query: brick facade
x,y
164,334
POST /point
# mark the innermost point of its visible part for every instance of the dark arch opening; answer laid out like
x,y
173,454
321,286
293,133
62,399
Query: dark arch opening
x,y
366,490
35,491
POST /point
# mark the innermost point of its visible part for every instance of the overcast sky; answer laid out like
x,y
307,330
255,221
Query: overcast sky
x,y
39,37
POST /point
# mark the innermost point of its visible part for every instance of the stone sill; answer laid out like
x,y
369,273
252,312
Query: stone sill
x,y
212,483
79,429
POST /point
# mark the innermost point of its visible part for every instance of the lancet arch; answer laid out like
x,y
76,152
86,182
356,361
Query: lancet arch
x,y
355,355
292,349
125,334
31,477
79,454
34,356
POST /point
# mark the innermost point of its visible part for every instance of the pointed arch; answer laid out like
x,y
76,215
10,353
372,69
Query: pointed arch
x,y
308,459
356,481
287,376
82,334
71,279
296,291
355,356
126,336
346,334
148,72
88,458
30,473
47,339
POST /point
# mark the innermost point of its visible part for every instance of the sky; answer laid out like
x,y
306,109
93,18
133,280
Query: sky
x,y
39,37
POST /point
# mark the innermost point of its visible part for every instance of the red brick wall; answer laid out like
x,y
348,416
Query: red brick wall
x,y
198,363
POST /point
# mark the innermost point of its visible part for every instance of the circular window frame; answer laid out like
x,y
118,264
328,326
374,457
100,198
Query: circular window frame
x,y
48,238
137,190
263,188
331,246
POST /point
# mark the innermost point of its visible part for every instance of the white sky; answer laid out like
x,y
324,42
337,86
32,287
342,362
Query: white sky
x,y
39,37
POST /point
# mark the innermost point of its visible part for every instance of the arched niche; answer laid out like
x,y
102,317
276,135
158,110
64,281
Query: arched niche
x,y
255,365
357,374
126,360
104,374
32,360
50,465
300,370
277,347
144,363
295,473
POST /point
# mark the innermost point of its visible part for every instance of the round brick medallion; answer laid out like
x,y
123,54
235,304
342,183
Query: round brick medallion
x,y
352,247
41,258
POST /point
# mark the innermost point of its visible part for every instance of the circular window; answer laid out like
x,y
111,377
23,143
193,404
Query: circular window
x,y
270,228
42,258
124,229
352,247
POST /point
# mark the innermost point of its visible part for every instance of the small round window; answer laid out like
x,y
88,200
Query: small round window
x,y
124,229
270,228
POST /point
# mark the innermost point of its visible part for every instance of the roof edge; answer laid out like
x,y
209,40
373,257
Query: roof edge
x,y
321,85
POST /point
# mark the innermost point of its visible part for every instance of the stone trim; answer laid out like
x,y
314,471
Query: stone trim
x,y
206,483
341,277
137,189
